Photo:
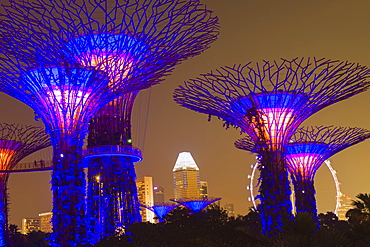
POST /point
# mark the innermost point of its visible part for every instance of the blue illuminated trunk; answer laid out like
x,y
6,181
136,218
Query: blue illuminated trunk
x,y
112,200
4,231
68,186
274,192
305,197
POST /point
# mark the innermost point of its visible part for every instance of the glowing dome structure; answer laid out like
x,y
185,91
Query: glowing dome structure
x,y
16,142
309,148
196,204
268,101
129,45
161,209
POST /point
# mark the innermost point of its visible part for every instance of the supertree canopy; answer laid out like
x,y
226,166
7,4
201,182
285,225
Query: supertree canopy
x,y
196,204
269,100
308,149
16,142
67,59
161,209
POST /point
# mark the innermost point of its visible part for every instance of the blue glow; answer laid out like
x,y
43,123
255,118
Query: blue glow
x,y
281,100
162,210
105,43
58,76
134,154
197,205
307,148
112,199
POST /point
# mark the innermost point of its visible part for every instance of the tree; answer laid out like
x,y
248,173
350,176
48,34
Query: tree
x,y
359,218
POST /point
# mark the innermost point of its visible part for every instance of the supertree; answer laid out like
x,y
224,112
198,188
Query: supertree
x,y
308,149
268,101
125,45
196,204
161,209
16,142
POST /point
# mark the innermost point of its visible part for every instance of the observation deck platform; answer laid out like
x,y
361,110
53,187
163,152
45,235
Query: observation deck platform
x,y
41,165
114,150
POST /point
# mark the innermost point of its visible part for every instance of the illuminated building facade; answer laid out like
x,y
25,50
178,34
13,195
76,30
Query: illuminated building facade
x,y
309,148
30,225
345,205
158,194
146,198
186,177
45,222
268,101
203,189
229,207
66,69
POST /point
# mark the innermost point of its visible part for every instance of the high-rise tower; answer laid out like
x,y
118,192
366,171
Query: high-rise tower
x,y
186,177
145,194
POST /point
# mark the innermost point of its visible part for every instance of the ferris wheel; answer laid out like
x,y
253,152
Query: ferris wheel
x,y
254,197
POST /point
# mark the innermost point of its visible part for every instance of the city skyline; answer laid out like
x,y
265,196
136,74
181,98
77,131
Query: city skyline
x,y
250,31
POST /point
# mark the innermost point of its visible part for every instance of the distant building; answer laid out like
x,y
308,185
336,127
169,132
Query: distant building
x,y
203,189
45,222
186,177
158,194
30,225
345,205
229,207
145,194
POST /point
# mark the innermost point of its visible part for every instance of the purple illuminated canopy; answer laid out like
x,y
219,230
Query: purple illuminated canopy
x,y
311,146
269,100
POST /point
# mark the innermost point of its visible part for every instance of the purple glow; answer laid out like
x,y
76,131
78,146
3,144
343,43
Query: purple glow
x,y
276,112
113,53
304,159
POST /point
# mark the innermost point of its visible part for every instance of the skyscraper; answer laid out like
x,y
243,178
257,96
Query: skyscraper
x,y
145,194
158,194
45,222
30,225
186,177
203,189
345,205
229,207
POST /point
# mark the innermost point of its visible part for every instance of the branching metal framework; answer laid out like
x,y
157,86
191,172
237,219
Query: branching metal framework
x,y
309,148
16,142
161,209
68,58
196,204
268,101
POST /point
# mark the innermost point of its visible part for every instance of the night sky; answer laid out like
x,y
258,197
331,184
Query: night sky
x,y
251,30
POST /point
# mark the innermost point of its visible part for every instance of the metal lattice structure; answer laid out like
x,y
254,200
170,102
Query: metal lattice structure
x,y
67,59
268,101
16,142
196,204
309,148
161,209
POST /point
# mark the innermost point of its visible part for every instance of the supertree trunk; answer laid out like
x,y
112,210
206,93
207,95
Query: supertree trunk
x,y
274,192
4,231
68,185
305,197
112,196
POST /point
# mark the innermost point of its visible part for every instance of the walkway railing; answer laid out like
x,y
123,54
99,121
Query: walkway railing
x,y
41,165
118,150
